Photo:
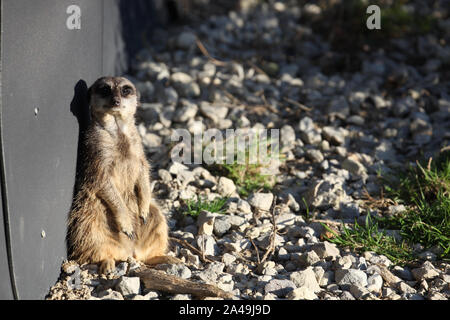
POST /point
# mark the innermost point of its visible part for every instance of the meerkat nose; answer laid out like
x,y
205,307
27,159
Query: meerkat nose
x,y
116,101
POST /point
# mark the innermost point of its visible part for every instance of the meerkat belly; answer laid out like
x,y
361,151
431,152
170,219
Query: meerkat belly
x,y
125,176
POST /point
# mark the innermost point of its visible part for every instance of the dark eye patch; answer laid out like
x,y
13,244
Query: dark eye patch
x,y
103,90
126,90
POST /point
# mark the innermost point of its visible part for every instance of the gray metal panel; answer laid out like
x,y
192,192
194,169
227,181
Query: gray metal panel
x,y
114,55
43,61
5,279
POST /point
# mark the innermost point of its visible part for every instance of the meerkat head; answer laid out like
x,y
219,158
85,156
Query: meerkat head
x,y
113,95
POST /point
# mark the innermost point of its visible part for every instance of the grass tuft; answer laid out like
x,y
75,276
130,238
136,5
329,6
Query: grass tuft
x,y
425,191
194,207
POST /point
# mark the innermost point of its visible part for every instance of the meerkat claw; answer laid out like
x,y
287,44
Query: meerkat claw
x,y
131,235
144,219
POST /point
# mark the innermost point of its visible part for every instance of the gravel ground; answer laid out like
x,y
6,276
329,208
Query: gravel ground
x,y
339,128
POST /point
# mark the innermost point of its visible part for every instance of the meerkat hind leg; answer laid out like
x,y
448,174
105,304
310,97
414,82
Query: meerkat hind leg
x,y
154,240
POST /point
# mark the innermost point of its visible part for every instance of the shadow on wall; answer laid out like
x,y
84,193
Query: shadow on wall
x,y
140,17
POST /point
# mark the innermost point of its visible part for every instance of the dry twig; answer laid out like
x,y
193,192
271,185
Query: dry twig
x,y
271,247
257,251
206,53
298,104
158,280
193,249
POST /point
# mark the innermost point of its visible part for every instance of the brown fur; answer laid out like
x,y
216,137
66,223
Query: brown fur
x,y
113,215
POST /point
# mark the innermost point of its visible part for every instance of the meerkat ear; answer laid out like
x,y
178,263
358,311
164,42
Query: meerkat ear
x,y
88,97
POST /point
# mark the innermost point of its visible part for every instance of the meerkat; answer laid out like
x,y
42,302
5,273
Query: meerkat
x,y
113,215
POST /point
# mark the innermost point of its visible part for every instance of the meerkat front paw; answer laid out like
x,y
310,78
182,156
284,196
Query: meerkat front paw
x,y
127,229
107,266
144,210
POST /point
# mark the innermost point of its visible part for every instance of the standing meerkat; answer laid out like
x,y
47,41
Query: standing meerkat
x,y
113,215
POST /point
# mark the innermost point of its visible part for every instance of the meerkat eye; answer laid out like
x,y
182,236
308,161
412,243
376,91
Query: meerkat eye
x,y
126,90
104,90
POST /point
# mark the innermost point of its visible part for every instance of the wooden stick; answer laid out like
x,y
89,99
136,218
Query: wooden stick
x,y
256,249
298,104
158,280
206,53
191,248
273,235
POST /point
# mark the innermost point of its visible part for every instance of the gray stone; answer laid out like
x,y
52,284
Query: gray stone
x,y
426,271
178,270
186,111
165,175
356,120
211,273
436,296
353,166
349,211
110,295
243,207
205,222
326,250
267,268
185,85
333,135
327,278
181,297
305,278
347,277
358,292
404,106
228,259
427,255
215,112
374,283
339,108
146,89
279,287
283,254
207,244
380,259
346,295
292,203
287,136
121,269
226,187
151,295
311,137
403,272
303,293
323,194
307,259
186,40
342,263
261,201
221,225
151,140
403,288
128,285
412,296
396,209
385,151
315,155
